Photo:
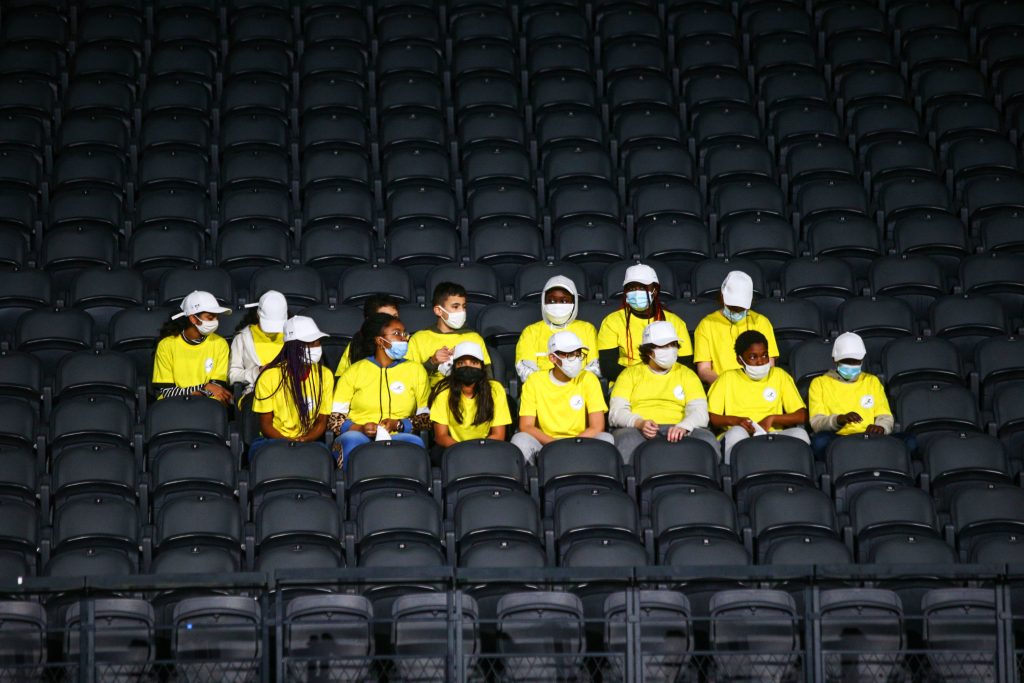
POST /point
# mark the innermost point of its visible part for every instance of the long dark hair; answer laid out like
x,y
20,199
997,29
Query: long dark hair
x,y
172,328
657,313
292,361
365,344
481,394
370,307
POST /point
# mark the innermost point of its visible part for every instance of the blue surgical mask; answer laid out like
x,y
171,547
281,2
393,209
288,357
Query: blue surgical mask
x,y
734,317
397,350
639,299
848,372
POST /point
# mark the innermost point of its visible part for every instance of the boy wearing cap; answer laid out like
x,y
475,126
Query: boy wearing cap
x,y
716,334
619,337
294,392
467,405
847,400
564,403
659,398
191,358
433,347
558,311
258,341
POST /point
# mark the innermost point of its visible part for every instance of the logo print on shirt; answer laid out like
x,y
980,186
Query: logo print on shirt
x,y
397,387
867,401
770,394
208,365
576,402
678,392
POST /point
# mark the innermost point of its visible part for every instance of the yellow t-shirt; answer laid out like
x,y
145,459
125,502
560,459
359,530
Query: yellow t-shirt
x,y
185,365
533,342
344,364
613,335
561,409
369,393
733,393
656,396
267,345
865,395
715,339
425,344
271,396
466,430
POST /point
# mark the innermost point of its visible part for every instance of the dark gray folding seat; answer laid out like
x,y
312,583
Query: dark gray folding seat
x,y
857,462
916,279
23,651
996,275
984,514
19,538
707,51
791,513
215,637
94,468
961,633
191,468
767,462
183,59
341,204
22,290
589,523
940,236
991,193
186,419
103,526
502,203
176,284
170,129
288,467
301,285
506,247
655,202
297,518
172,206
725,122
997,361
498,515
123,645
52,334
683,513
102,292
21,377
591,242
862,631
243,249
392,466
938,408
767,240
967,319
257,131
908,362
1007,409
958,461
197,531
825,281
647,124
347,650
483,127
566,466
886,511
419,631
667,634
745,197
359,282
719,85
878,320
794,320
541,634
754,634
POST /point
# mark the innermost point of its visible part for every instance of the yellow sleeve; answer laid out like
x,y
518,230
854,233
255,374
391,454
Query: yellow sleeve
x,y
692,386
701,343
791,399
266,386
417,347
221,357
502,416
327,390
439,409
685,347
625,382
816,397
716,395
344,390
609,334
163,363
528,399
344,364
592,394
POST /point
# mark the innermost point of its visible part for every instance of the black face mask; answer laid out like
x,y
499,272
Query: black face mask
x,y
467,374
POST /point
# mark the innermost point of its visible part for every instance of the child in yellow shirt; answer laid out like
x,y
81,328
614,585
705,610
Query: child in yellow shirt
x,y
466,405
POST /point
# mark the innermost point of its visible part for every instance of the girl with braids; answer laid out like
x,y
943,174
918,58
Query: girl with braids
x,y
618,341
381,394
293,392
466,405
191,358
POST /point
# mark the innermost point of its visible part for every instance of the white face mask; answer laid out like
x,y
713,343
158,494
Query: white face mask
x,y
571,366
315,354
757,372
559,314
665,357
207,327
454,320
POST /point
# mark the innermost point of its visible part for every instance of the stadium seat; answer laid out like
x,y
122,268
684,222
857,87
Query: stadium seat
x,y
347,650
754,633
215,637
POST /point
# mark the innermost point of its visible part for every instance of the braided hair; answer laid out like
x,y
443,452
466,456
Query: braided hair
x,y
657,314
293,362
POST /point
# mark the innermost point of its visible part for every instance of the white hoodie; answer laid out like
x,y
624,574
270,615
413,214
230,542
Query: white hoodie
x,y
525,368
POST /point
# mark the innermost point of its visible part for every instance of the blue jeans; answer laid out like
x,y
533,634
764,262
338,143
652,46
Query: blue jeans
x,y
349,441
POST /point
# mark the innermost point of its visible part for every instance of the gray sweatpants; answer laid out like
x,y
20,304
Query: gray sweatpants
x,y
530,446
628,439
734,435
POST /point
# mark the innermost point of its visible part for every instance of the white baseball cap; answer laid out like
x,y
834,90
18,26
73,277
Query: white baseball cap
x,y
564,342
272,310
302,328
200,302
848,345
737,289
468,348
645,275
659,333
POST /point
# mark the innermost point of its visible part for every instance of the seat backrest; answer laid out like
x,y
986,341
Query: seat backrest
x,y
23,634
420,628
867,622
217,637
754,633
124,633
540,634
497,514
291,518
395,515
